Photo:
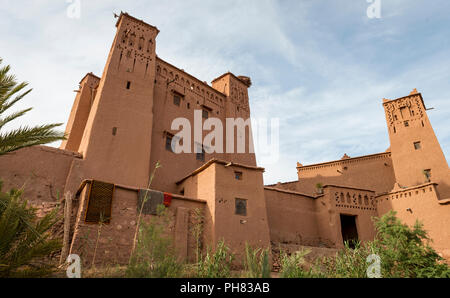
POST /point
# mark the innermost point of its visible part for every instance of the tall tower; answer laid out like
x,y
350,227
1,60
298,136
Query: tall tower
x,y
416,154
116,142
237,106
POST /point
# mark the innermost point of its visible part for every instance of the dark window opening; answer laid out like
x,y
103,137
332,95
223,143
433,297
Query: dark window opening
x,y
188,105
241,207
169,143
205,114
238,175
128,85
417,145
200,155
114,131
395,130
349,230
406,123
427,174
176,99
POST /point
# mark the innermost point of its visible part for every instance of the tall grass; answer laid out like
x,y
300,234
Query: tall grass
x,y
256,262
155,255
217,263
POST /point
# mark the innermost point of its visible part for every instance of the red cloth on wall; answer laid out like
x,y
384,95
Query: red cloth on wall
x,y
167,199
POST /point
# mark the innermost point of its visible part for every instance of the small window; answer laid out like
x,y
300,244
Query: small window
x,y
128,85
114,131
238,175
241,207
417,145
169,143
176,99
406,123
188,105
205,114
200,155
427,174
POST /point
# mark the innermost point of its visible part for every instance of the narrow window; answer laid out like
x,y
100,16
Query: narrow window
x,y
114,131
200,155
406,123
417,145
128,85
176,99
241,207
169,143
188,105
205,114
238,175
427,174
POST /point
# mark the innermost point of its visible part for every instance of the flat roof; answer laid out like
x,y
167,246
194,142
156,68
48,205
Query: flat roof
x,y
343,160
222,162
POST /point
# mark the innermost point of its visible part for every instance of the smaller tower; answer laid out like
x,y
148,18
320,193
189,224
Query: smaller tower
x,y
237,107
416,153
80,112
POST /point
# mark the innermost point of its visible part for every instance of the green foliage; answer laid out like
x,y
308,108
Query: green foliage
x,y
216,264
404,252
24,240
348,263
154,255
197,231
292,266
256,262
11,93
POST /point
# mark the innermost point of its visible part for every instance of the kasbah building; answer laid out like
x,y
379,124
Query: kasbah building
x,y
120,127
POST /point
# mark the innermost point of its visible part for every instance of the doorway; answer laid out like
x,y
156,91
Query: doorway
x,y
349,230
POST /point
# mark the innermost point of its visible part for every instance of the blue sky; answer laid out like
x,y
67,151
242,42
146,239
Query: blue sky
x,y
321,66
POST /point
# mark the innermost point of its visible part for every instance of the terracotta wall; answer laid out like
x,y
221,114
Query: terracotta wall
x,y
292,217
195,95
339,200
421,203
116,239
374,172
41,171
216,184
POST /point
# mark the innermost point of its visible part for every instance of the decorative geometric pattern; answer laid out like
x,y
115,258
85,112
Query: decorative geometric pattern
x,y
99,204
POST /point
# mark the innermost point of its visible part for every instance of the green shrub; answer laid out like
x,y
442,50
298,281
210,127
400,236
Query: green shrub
x,y
404,252
25,241
155,255
292,265
216,264
350,262
256,262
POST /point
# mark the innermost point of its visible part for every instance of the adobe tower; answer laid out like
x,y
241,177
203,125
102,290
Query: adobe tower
x,y
416,154
116,142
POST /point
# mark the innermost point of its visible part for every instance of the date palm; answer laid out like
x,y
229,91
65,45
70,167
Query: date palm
x,y
10,93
